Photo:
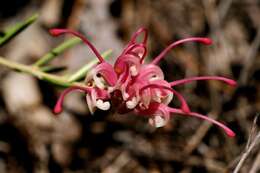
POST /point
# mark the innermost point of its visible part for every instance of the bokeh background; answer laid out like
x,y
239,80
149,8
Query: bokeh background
x,y
33,140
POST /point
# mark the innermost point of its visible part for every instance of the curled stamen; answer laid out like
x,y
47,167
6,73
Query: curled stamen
x,y
188,80
184,105
132,47
101,72
137,33
202,40
58,106
228,131
57,32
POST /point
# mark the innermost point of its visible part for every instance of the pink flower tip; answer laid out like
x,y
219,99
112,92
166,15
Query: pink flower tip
x,y
206,41
232,83
55,32
230,133
57,109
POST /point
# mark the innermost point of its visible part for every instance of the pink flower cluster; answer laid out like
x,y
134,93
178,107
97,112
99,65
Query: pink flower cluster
x,y
133,86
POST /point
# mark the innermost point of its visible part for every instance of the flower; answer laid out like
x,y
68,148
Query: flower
x,y
130,85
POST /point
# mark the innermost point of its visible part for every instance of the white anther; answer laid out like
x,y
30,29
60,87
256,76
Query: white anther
x,y
167,99
157,121
99,81
131,104
110,89
103,105
157,96
133,70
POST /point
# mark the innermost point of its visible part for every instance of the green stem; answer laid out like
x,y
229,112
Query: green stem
x,y
52,68
83,71
12,31
57,51
35,71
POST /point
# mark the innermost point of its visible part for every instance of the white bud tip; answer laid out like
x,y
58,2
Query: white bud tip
x,y
103,105
133,70
131,104
99,81
157,121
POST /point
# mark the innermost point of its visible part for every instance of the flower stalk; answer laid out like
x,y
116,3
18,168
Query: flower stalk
x,y
54,79
57,80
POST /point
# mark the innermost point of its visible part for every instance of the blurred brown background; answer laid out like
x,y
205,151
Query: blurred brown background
x,y
32,140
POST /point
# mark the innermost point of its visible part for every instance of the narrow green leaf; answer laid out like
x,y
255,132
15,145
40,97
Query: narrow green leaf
x,y
12,31
35,71
57,51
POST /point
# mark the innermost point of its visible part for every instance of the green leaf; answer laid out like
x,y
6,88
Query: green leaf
x,y
12,31
57,51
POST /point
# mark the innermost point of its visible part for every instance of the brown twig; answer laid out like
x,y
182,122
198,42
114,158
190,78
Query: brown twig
x,y
256,164
252,143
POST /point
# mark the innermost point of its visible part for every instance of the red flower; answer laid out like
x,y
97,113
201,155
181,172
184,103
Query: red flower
x,y
131,85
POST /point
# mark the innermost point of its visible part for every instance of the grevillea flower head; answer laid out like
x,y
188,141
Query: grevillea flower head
x,y
132,86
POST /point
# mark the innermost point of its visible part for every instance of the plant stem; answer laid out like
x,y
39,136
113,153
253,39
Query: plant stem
x,y
12,31
48,69
35,71
244,156
83,71
56,51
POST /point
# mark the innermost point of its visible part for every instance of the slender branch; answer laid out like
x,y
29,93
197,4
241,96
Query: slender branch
x,y
52,68
256,164
57,51
247,152
57,80
253,141
83,71
12,31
